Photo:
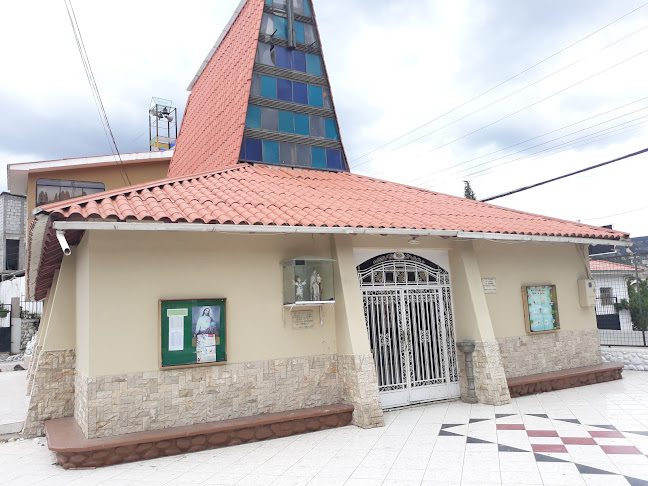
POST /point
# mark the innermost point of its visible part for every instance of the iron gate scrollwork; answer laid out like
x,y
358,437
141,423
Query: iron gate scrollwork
x,y
408,313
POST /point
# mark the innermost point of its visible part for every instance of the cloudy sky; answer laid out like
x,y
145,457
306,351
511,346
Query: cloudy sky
x,y
423,90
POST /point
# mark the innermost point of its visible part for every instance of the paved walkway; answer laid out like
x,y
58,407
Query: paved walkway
x,y
13,401
595,435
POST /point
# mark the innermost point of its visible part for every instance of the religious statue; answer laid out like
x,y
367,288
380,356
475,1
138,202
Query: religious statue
x,y
316,286
299,289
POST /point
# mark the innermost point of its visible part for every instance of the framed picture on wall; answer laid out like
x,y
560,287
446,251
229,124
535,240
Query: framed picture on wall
x,y
193,332
540,305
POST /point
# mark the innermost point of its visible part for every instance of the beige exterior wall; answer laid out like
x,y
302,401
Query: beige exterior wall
x,y
60,331
515,265
127,273
110,176
81,284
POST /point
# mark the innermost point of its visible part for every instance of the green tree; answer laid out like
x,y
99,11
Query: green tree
x,y
637,304
468,192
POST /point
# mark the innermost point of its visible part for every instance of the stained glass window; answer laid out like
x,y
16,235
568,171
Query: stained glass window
x,y
269,87
301,93
269,119
315,96
319,157
253,118
317,127
331,129
270,152
253,150
302,124
333,159
284,90
286,122
282,57
299,61
313,64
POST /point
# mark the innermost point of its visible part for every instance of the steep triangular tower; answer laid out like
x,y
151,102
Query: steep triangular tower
x,y
262,96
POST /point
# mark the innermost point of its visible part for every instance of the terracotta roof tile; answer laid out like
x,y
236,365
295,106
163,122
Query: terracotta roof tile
x,y
607,266
212,127
252,195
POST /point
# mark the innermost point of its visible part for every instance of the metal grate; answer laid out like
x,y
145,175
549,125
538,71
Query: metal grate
x,y
294,107
621,298
289,138
291,75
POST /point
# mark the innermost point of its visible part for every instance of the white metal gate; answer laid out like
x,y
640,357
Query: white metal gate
x,y
408,313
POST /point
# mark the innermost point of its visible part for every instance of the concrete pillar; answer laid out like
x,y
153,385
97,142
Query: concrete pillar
x,y
16,325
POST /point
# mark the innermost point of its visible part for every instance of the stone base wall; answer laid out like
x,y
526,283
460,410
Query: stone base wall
x,y
631,358
490,379
156,400
52,390
81,401
542,353
28,328
359,387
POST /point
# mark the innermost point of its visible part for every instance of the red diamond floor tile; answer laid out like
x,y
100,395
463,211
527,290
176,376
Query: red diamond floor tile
x,y
578,441
610,434
615,449
542,433
548,448
510,426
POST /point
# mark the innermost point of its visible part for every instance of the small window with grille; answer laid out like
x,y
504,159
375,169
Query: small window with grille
x,y
606,295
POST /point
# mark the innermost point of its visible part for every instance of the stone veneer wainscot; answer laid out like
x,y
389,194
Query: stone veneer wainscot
x,y
114,405
542,353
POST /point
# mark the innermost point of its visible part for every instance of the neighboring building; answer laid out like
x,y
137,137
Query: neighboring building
x,y
49,181
611,281
13,218
339,287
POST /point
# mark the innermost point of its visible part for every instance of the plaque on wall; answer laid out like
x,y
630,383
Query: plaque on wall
x,y
302,319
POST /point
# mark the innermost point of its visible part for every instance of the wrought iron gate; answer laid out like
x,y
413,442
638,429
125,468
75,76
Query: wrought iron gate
x,y
408,313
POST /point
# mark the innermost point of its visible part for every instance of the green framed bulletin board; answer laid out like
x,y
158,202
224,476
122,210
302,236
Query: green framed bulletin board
x,y
193,332
540,308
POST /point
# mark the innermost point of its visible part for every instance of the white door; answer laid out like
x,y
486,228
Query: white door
x,y
408,314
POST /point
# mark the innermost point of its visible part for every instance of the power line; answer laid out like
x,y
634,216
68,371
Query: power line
x,y
518,111
613,215
567,146
536,137
526,188
499,85
570,146
85,59
549,141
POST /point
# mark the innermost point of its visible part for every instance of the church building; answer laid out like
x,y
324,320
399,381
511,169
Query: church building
x,y
262,276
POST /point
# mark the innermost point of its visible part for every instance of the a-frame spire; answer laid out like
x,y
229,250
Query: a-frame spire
x,y
262,96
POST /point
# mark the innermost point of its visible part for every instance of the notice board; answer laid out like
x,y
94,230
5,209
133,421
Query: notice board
x,y
540,308
193,332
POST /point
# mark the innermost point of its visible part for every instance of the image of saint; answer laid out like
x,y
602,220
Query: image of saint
x,y
206,323
299,288
316,286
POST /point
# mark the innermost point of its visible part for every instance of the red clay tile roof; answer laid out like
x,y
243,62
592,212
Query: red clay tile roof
x,y
607,266
265,195
212,127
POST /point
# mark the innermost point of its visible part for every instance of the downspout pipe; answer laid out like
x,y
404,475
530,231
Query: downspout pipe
x,y
60,235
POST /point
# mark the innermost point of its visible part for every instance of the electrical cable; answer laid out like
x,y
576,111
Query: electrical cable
x,y
501,84
95,89
538,136
460,171
514,113
613,215
571,145
526,188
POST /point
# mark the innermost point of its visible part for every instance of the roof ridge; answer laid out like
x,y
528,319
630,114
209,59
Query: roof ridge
x,y
134,188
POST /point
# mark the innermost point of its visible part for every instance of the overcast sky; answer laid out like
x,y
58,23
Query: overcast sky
x,y
394,67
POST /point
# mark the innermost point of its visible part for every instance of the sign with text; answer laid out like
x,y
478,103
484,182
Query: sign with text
x,y
540,308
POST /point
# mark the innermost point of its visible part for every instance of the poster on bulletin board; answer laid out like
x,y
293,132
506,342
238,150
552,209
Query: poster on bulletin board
x,y
540,308
193,332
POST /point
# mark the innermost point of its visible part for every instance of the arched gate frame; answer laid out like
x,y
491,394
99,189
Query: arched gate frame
x,y
408,312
